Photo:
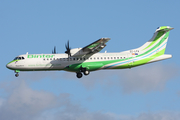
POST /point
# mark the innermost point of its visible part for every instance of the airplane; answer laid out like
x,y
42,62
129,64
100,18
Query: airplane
x,y
87,59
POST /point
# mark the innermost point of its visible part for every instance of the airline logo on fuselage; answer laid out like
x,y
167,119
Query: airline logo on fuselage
x,y
40,56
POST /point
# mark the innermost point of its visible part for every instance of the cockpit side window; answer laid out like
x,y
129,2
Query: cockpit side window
x,y
19,58
16,58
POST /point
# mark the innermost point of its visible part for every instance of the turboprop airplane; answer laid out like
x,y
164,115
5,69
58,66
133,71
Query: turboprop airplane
x,y
87,59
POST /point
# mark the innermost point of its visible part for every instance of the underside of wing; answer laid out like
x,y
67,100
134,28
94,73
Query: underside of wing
x,y
96,46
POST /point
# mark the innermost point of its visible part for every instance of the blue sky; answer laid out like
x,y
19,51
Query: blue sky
x,y
37,26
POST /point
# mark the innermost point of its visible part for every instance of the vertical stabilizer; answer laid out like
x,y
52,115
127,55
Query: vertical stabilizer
x,y
158,42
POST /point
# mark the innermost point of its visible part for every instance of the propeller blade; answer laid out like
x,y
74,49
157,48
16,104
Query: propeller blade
x,y
68,49
68,44
54,52
54,49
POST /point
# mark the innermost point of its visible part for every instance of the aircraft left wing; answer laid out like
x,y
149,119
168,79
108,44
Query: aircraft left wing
x,y
96,46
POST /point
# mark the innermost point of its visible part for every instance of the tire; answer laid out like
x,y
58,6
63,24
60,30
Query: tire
x,y
16,74
86,72
79,75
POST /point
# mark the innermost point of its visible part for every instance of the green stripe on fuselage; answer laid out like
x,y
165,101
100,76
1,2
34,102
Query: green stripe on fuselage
x,y
12,61
144,61
91,66
140,62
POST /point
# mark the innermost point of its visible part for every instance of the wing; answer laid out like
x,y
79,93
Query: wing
x,y
96,46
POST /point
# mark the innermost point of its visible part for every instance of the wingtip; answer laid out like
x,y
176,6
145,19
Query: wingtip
x,y
106,38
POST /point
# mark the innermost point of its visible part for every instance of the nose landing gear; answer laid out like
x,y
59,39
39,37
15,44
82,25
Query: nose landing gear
x,y
17,73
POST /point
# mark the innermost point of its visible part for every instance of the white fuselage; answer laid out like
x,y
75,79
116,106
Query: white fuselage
x,y
60,61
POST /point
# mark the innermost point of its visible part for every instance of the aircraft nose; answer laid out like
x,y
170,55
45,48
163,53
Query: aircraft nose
x,y
9,65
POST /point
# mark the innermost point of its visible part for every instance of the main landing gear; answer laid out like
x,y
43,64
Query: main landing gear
x,y
82,70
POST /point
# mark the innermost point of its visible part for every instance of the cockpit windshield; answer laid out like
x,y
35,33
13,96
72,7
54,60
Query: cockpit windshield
x,y
18,58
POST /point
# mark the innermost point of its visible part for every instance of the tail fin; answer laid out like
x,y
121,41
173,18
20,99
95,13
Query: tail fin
x,y
158,42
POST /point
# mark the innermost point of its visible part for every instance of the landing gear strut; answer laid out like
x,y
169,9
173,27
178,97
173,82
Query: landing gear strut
x,y
84,70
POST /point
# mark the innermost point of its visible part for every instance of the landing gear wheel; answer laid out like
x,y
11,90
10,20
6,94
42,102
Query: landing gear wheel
x,y
16,74
79,75
86,72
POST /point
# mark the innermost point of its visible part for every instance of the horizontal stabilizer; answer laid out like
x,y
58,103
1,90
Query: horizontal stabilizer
x,y
162,57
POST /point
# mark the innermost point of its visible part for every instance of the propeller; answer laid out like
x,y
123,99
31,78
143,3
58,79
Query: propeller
x,y
68,49
54,52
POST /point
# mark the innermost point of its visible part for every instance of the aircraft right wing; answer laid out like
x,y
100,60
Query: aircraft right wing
x,y
96,46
